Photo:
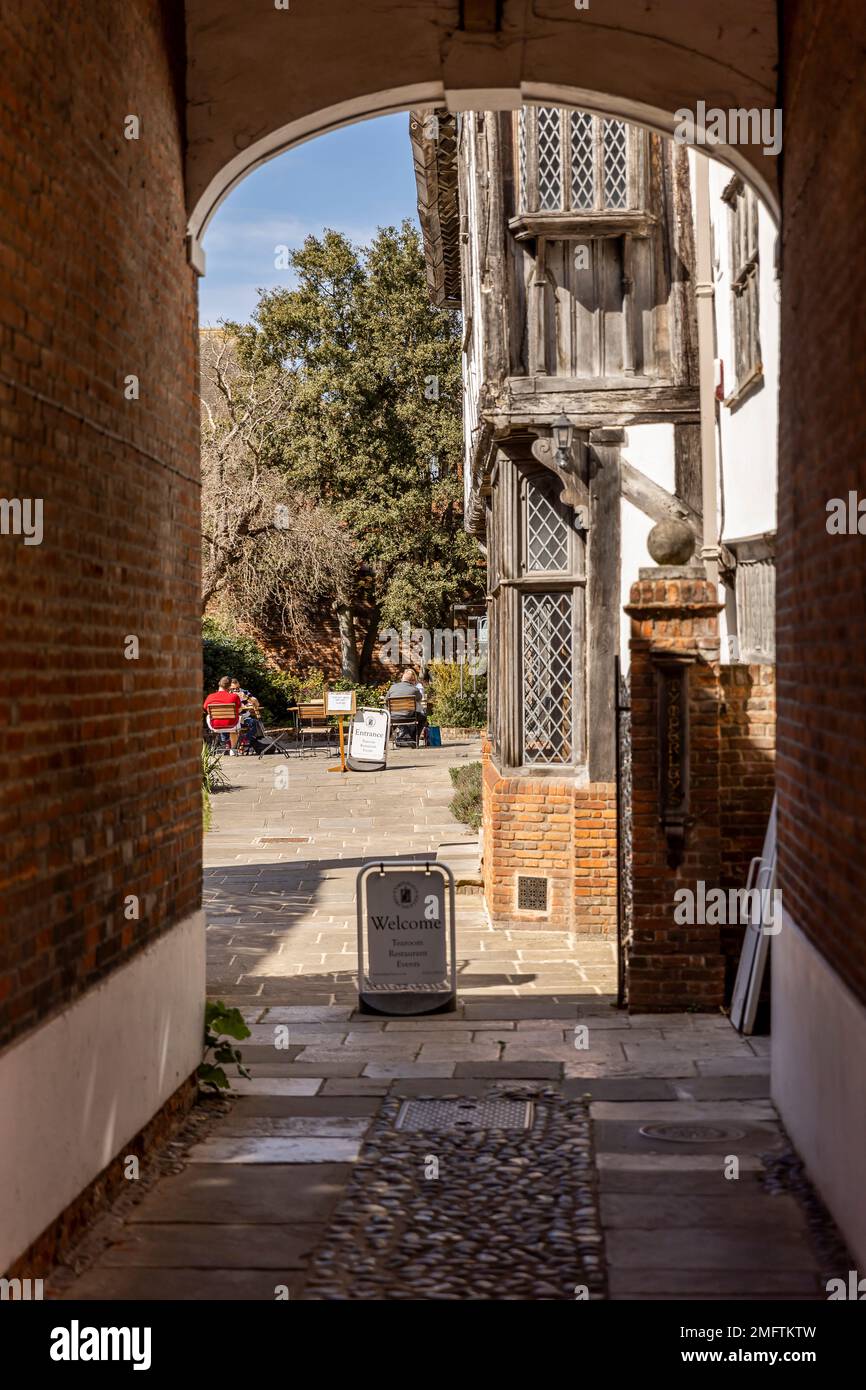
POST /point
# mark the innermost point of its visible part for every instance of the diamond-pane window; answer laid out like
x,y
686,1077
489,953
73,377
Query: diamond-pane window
x,y
546,532
547,677
549,160
582,160
615,165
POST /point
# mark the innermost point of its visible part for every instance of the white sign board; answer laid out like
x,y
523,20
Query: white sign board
x,y
369,735
340,702
406,931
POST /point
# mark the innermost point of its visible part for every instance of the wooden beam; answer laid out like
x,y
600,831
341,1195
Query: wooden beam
x,y
603,601
659,504
656,501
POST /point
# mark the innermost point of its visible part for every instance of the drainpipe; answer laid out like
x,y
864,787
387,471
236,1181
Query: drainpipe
x,y
705,296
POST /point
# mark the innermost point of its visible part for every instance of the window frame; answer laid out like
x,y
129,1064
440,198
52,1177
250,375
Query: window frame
x,y
744,271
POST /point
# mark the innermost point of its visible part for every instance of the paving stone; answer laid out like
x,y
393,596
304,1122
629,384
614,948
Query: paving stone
x,y
277,1085
619,1087
701,1247
236,1193
357,1086
501,1071
743,1283
672,1163
214,1247
334,1126
383,1070
723,1087
275,1149
753,1210
683,1112
109,1283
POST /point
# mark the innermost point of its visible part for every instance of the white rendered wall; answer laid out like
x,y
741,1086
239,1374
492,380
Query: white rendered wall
x,y
649,448
79,1087
818,1077
747,434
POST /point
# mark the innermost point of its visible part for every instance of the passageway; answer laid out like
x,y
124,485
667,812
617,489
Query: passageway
x,y
311,1187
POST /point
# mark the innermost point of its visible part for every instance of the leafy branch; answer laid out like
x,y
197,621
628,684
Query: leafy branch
x,y
221,1023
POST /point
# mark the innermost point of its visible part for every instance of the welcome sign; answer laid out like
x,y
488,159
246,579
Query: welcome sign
x,y
406,953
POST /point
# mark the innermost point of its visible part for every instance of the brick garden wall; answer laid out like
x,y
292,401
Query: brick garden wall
x,y
544,827
98,754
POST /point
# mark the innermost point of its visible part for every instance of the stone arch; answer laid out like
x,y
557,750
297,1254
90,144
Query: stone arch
x,y
253,91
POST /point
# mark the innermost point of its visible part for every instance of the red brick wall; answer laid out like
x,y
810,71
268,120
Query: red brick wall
x,y
548,828
746,781
821,616
671,966
98,754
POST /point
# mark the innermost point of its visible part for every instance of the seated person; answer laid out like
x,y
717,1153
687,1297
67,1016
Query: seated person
x,y
251,723
224,696
408,684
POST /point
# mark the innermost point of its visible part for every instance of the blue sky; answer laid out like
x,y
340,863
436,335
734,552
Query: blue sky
x,y
354,180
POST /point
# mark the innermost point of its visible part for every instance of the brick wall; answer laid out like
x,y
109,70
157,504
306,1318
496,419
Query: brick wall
x,y
671,966
98,754
821,615
548,828
746,783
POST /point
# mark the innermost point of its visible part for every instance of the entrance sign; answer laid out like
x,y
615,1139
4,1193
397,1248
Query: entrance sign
x,y
368,740
406,938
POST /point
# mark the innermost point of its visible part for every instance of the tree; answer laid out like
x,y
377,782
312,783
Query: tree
x,y
270,552
372,425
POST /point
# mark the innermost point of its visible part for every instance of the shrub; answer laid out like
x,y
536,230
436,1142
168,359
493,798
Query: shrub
x,y
466,711
465,805
448,707
227,655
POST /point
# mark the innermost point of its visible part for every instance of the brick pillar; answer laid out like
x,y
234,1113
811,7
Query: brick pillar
x,y
676,745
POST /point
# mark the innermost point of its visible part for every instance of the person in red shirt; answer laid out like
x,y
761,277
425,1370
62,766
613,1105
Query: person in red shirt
x,y
224,696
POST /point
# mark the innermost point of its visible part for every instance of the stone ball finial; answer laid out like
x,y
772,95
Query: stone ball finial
x,y
671,542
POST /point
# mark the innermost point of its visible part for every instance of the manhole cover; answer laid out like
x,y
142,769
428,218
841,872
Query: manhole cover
x,y
285,840
692,1134
489,1112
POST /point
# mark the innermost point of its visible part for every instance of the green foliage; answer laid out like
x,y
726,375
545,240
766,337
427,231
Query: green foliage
x,y
465,805
226,654
366,696
220,1024
373,424
212,779
466,711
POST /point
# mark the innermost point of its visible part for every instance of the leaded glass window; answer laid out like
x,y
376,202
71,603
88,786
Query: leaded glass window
x,y
548,677
546,532
549,159
570,161
615,164
582,160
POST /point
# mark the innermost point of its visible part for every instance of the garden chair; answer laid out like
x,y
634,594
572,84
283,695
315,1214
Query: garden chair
x,y
313,723
403,710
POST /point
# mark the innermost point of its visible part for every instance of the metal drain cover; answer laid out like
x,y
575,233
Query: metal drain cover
x,y
489,1112
692,1134
284,840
